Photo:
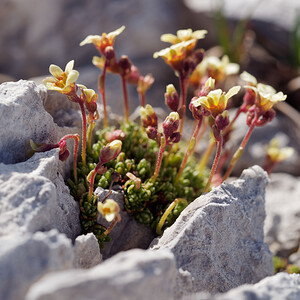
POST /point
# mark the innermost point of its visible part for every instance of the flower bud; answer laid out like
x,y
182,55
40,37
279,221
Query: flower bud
x,y
117,134
133,76
170,125
222,120
196,111
109,53
144,83
151,132
171,97
63,150
110,151
148,116
267,117
125,65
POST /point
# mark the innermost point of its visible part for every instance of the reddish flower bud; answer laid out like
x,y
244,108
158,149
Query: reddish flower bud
x,y
196,111
109,53
117,134
267,117
222,120
63,150
217,132
125,65
171,97
171,124
133,76
148,116
110,151
175,138
151,132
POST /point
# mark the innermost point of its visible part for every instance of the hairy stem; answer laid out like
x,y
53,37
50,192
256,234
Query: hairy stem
x,y
182,100
83,149
189,150
240,150
142,99
215,164
91,180
162,149
76,139
125,94
101,87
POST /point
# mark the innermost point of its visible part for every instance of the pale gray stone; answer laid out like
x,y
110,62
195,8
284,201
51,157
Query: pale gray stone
x,y
25,258
281,286
130,275
34,197
282,226
218,239
86,251
128,233
23,117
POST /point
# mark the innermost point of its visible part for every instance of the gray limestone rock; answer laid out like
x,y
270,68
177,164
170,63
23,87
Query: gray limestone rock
x,y
282,226
218,239
23,117
130,275
34,197
281,286
86,251
25,258
128,233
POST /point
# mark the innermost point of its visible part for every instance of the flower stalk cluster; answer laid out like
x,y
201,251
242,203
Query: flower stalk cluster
x,y
158,179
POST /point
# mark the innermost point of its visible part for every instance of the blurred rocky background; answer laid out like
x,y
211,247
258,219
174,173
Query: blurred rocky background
x,y
262,36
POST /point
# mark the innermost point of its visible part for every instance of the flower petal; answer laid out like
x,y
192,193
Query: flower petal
x,y
72,77
169,38
199,101
248,78
90,39
69,66
233,91
55,71
199,34
116,32
278,97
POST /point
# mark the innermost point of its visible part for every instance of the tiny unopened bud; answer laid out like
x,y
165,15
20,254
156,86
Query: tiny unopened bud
x,y
63,150
151,132
117,134
267,117
171,97
175,138
198,56
110,151
137,181
109,52
170,125
148,116
217,133
222,120
125,65
133,76
196,111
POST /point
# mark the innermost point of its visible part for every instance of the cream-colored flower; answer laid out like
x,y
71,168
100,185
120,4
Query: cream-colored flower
x,y
250,79
175,54
183,35
144,83
266,96
109,210
220,68
62,81
104,40
91,95
216,101
276,154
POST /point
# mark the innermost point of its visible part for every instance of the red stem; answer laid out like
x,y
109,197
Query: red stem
x,y
143,99
83,149
125,94
240,150
159,160
76,142
189,150
215,164
183,100
102,91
